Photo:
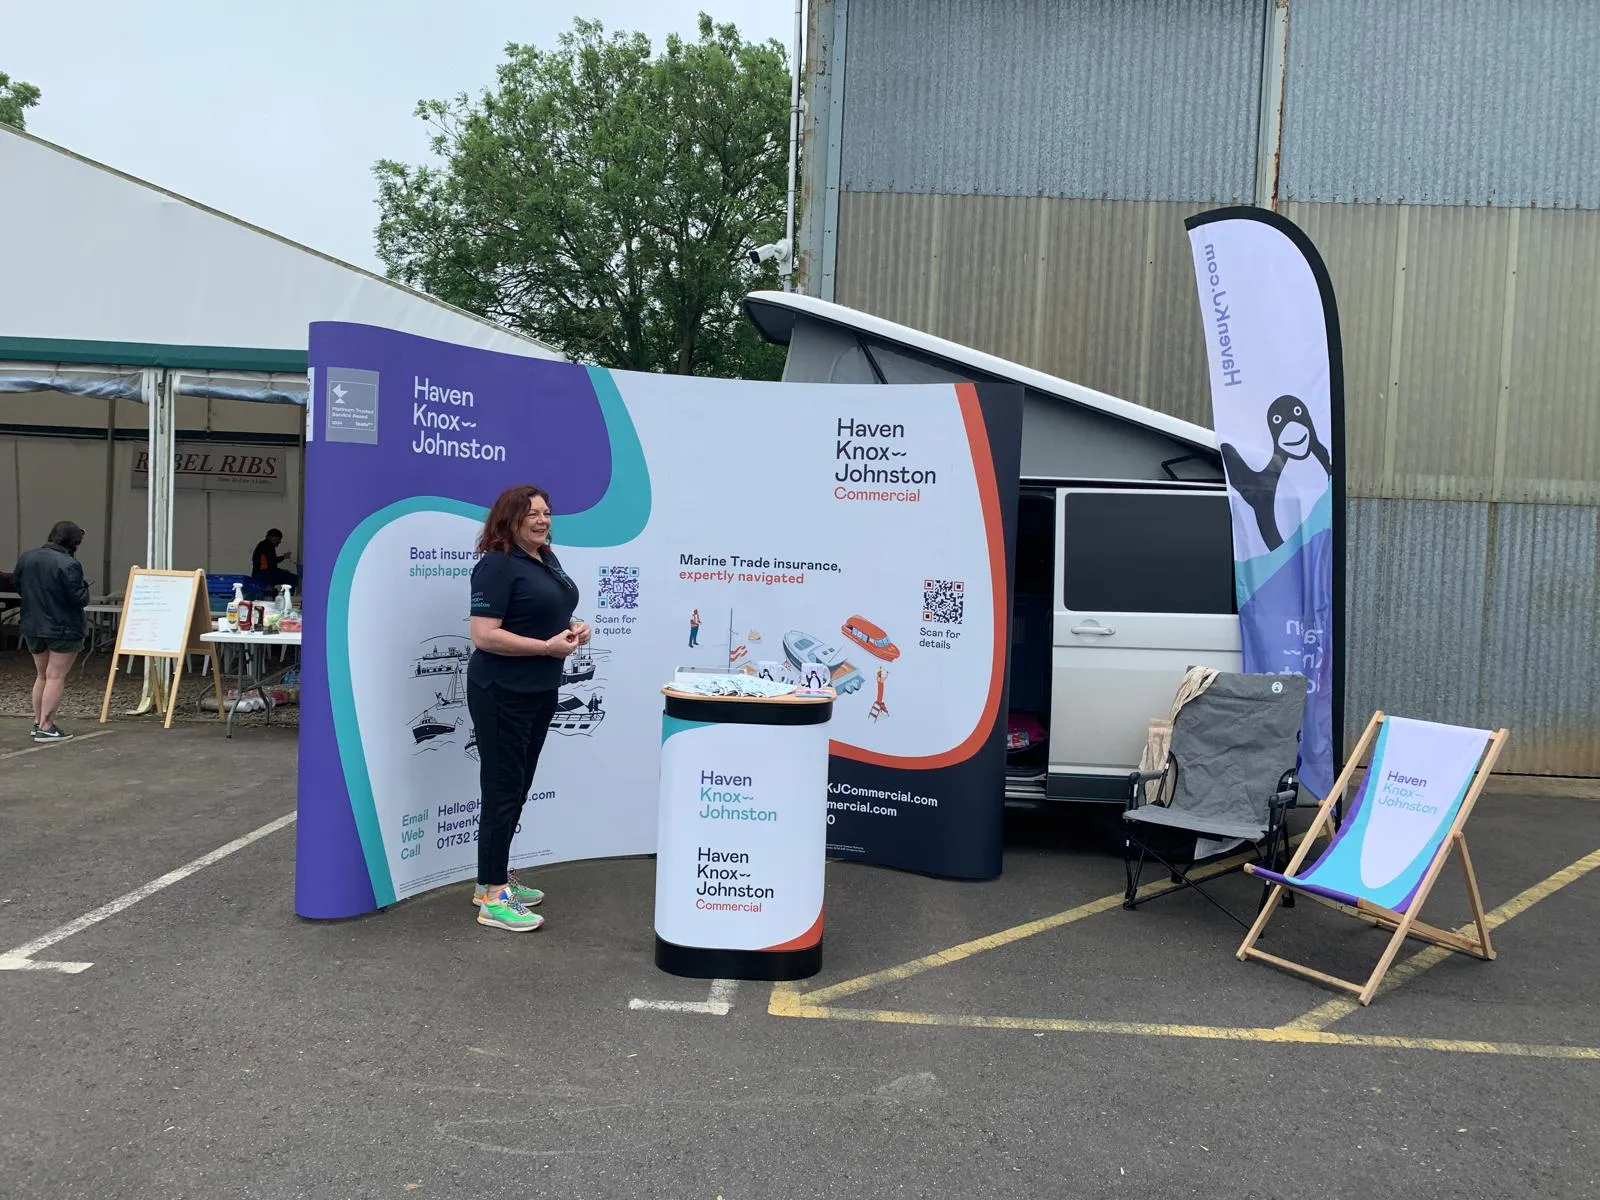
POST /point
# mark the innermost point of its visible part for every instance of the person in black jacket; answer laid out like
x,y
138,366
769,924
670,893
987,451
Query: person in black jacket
x,y
54,594
264,560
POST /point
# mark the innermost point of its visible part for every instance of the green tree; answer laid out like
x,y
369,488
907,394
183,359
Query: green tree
x,y
604,198
15,97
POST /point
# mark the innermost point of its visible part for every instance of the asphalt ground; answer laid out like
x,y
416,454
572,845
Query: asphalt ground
x,y
1020,1038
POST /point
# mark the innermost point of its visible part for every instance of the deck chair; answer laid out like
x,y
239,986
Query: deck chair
x,y
1229,780
1382,862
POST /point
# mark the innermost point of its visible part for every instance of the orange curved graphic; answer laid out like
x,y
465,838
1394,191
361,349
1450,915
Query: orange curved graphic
x,y
806,940
995,534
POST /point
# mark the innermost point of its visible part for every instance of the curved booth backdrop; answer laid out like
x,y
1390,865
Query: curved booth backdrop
x,y
865,532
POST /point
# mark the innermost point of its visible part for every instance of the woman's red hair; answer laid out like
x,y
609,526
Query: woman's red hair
x,y
500,526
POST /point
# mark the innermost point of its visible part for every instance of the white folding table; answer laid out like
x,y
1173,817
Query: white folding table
x,y
250,646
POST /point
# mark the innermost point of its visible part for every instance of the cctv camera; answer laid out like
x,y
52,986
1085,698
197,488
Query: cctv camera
x,y
777,252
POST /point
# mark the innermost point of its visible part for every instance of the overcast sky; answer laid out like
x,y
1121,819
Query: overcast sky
x,y
276,112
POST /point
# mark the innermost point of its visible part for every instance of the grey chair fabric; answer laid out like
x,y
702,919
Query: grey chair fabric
x,y
1230,748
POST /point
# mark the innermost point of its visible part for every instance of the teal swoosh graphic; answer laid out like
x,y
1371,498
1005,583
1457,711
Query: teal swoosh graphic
x,y
619,516
341,688
1341,869
623,512
1251,575
672,725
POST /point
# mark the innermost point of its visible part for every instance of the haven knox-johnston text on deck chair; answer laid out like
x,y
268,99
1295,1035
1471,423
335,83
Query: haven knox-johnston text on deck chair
x,y
1230,776
1406,821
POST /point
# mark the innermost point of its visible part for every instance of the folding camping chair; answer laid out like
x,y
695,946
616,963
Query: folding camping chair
x,y
1229,778
1387,853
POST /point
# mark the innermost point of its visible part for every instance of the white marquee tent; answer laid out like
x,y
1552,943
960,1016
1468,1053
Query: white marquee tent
x,y
128,307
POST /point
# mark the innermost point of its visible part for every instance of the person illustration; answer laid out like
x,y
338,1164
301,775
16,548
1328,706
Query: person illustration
x,y
694,628
879,708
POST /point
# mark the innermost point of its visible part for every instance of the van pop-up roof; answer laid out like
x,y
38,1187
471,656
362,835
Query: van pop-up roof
x,y
1069,431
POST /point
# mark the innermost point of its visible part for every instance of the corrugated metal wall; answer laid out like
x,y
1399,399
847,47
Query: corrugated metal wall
x,y
1014,175
1031,98
1443,102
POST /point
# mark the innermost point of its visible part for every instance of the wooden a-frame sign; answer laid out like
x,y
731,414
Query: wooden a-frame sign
x,y
164,614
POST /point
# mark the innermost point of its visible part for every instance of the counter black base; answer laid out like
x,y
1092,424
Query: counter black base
x,y
760,966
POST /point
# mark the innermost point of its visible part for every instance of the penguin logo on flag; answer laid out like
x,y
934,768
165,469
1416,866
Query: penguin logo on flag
x,y
1271,492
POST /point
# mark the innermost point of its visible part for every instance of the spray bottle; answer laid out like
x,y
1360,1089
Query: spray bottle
x,y
234,605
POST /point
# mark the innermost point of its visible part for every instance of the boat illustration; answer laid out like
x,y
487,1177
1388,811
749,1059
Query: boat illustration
x,y
801,648
574,715
443,661
870,638
577,667
427,727
471,748
431,723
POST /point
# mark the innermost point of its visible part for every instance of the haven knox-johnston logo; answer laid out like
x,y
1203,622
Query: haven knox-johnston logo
x,y
873,454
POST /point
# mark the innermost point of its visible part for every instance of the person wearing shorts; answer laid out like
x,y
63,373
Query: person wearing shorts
x,y
54,594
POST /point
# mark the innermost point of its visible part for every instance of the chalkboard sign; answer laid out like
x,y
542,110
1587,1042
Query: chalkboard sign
x,y
163,615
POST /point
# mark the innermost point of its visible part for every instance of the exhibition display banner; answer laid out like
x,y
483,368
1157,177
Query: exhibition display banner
x,y
864,532
1277,389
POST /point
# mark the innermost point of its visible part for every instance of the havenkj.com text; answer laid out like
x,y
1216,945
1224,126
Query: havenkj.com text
x,y
864,797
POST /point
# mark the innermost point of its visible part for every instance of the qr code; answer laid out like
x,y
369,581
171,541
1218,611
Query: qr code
x,y
619,587
944,601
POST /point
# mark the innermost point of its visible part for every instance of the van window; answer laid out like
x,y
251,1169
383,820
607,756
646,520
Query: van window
x,y
1144,552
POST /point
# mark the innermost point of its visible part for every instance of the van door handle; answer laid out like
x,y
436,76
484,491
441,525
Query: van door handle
x,y
1094,630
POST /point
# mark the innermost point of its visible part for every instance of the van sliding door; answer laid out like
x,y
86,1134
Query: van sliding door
x,y
1144,591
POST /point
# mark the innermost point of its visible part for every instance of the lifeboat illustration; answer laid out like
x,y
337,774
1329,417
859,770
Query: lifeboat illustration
x,y
870,638
427,726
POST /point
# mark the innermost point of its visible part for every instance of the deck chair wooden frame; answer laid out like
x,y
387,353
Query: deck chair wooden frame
x,y
1405,924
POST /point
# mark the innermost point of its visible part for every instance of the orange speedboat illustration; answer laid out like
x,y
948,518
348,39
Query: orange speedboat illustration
x,y
870,638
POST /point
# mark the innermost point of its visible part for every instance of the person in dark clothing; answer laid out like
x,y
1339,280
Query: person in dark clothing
x,y
522,627
54,594
264,562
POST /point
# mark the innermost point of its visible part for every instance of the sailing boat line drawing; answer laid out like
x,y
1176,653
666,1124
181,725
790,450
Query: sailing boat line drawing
x,y
436,720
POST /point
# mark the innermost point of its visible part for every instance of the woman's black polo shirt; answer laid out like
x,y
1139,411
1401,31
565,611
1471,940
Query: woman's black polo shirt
x,y
533,598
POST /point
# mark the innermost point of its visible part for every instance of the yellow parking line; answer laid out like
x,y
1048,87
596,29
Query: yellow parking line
x,y
787,1002
993,941
1326,1014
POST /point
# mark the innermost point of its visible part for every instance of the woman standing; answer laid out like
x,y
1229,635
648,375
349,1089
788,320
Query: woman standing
x,y
54,593
522,628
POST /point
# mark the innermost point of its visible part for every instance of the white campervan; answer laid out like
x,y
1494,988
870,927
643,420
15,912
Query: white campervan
x,y
1124,561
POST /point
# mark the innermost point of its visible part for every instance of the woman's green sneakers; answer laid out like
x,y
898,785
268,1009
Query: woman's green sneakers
x,y
527,895
505,911
509,908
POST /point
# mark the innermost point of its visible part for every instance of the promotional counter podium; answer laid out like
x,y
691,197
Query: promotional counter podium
x,y
742,834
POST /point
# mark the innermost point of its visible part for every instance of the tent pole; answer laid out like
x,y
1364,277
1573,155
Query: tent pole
x,y
111,483
149,391
160,397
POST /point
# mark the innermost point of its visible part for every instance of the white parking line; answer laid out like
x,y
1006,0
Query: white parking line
x,y
716,1005
73,741
21,959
